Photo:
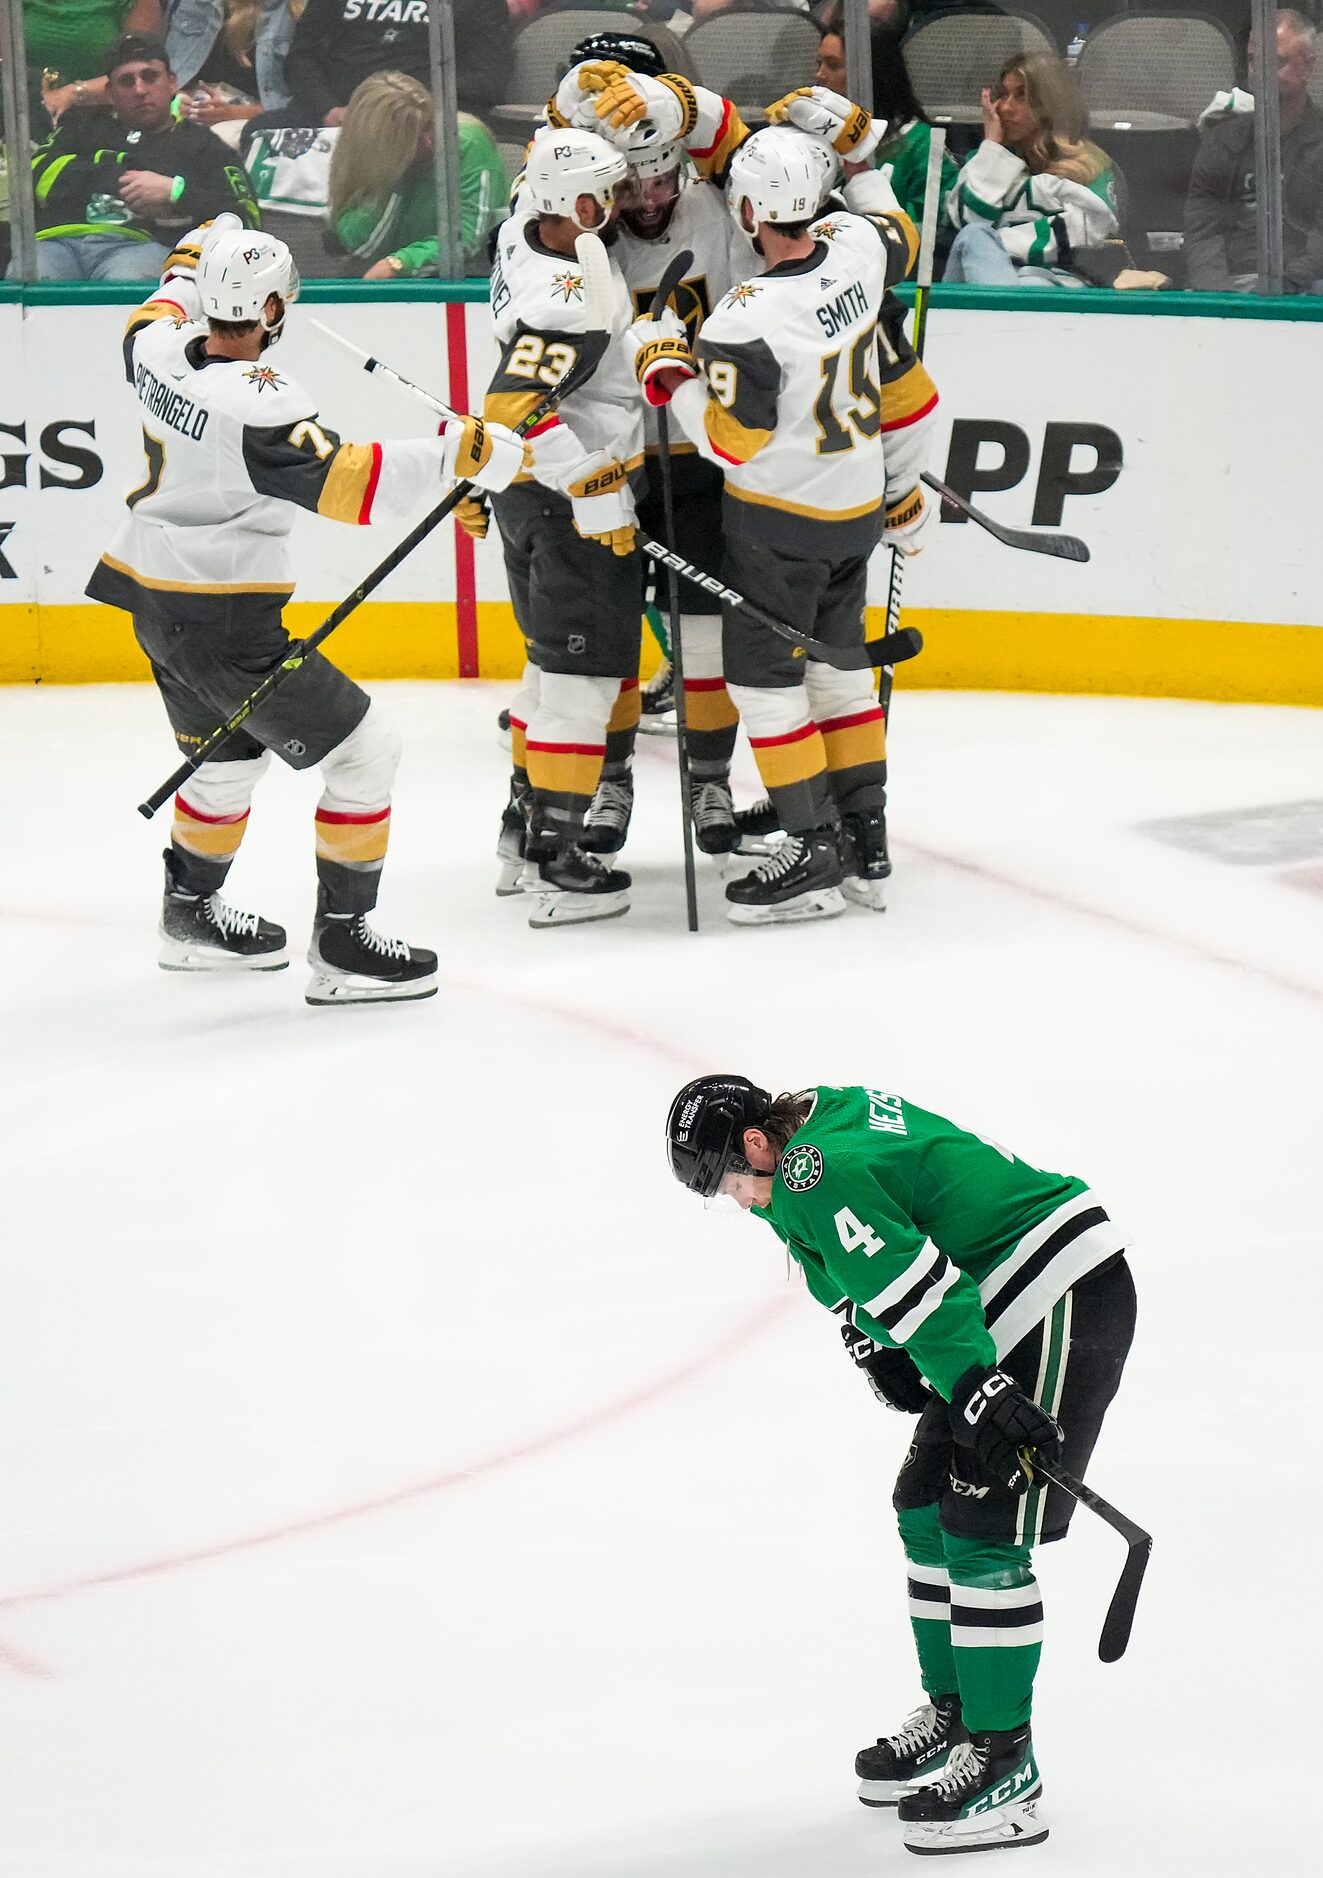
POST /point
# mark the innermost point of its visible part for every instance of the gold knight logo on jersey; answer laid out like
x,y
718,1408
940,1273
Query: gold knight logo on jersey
x,y
264,377
740,295
569,285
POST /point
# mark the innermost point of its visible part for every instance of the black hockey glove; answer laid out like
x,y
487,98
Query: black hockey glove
x,y
891,1373
991,1413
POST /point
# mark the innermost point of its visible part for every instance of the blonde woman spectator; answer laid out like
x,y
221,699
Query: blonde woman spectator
x,y
229,56
382,209
67,42
1036,192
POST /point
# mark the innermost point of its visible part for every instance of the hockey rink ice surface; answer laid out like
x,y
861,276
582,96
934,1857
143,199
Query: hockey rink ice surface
x,y
404,1478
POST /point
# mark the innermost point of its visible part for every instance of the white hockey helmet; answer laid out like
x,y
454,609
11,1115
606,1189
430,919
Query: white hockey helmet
x,y
566,164
782,174
650,152
238,273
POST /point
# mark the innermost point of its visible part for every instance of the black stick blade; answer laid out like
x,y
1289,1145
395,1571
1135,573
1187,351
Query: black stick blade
x,y
1121,1611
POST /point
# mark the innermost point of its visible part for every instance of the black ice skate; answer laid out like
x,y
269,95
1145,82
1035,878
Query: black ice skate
x,y
571,887
504,734
713,810
759,828
864,858
986,1799
802,880
607,822
352,964
894,1763
512,842
201,933
657,701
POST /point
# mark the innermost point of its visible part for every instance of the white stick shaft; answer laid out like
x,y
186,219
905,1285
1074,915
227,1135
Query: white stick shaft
x,y
931,195
377,370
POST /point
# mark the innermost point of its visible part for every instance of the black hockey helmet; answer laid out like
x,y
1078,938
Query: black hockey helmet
x,y
630,49
705,1130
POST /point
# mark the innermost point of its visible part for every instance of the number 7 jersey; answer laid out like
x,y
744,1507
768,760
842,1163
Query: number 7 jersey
x,y
927,1237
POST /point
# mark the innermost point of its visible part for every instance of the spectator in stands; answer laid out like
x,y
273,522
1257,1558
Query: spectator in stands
x,y
904,152
1036,197
383,191
339,43
1221,232
229,56
116,183
67,48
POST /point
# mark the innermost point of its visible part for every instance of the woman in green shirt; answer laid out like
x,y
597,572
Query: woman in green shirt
x,y
904,151
382,208
69,40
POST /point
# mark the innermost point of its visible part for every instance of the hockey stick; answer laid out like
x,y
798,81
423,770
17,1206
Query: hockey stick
x,y
1064,547
889,649
377,368
1121,1610
596,267
670,280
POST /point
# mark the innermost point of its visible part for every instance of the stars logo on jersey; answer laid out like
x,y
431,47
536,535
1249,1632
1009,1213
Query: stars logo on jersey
x,y
801,1168
740,295
569,286
265,378
826,231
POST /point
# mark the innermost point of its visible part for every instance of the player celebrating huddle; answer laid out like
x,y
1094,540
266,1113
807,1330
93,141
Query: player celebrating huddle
x,y
576,577
992,1300
201,563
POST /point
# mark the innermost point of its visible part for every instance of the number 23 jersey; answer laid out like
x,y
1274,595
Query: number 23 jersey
x,y
928,1237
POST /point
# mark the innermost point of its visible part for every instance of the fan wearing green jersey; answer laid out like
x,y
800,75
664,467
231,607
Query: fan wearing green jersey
x,y
991,1299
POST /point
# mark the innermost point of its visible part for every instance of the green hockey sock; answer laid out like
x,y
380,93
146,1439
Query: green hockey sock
x,y
996,1630
930,1598
658,628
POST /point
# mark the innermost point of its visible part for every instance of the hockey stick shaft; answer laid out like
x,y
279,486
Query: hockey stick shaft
x,y
1030,541
891,649
590,353
1121,1610
670,280
377,368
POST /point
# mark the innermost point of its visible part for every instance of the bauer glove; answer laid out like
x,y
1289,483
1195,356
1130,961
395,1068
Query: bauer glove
x,y
474,451
656,346
891,1374
603,503
473,518
907,517
991,1413
190,248
621,99
844,127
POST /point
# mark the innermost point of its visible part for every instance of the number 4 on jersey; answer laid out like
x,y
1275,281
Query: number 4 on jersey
x,y
855,1236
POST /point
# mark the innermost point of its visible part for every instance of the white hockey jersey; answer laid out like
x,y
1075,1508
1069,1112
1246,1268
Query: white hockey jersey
x,y
702,223
232,449
792,407
539,316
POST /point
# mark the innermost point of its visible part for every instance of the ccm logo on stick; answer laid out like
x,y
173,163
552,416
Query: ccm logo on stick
x,y
1057,475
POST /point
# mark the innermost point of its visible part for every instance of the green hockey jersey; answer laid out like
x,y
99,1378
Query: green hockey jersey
x,y
925,1236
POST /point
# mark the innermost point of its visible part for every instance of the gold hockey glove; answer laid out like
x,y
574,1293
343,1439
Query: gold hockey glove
x,y
473,518
603,503
906,519
845,127
489,455
657,346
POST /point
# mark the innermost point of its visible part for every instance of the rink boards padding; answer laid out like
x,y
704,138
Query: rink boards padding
x,y
1180,447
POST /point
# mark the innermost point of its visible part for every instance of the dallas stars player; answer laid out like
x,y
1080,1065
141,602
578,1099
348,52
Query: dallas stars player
x,y
990,1298
795,379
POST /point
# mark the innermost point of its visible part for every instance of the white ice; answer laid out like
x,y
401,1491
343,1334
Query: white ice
x,y
403,1478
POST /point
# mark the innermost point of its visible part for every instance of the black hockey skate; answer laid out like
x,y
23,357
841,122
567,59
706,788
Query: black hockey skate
x,y
713,810
512,842
503,731
202,933
571,887
802,880
759,828
864,857
352,964
657,701
986,1799
920,1749
607,823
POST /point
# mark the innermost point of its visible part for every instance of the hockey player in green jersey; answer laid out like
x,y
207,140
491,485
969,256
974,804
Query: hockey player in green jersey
x,y
992,1300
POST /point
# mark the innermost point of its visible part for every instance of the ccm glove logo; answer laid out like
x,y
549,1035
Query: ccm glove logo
x,y
992,1386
